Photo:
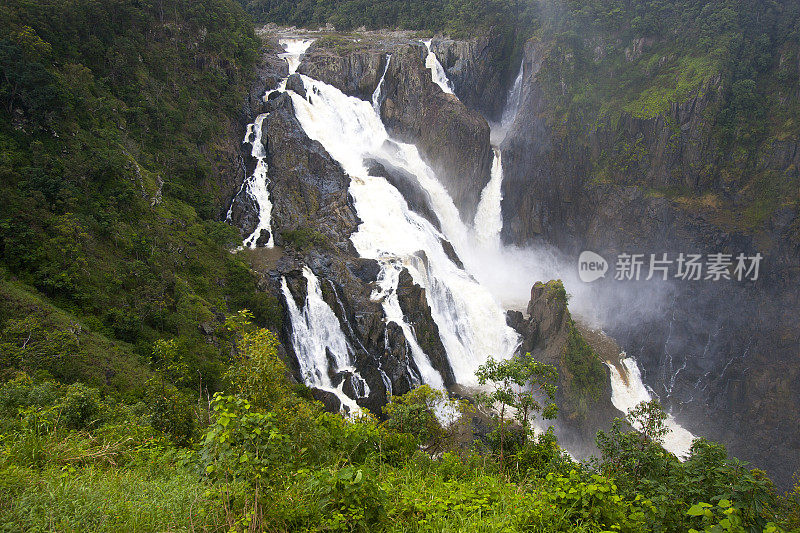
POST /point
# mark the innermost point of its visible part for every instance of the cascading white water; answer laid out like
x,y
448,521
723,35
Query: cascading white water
x,y
629,390
316,333
510,110
257,183
386,293
471,324
437,70
489,217
295,48
376,95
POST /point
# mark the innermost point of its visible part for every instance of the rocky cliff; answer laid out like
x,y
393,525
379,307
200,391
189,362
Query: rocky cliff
x,y
550,334
452,139
722,355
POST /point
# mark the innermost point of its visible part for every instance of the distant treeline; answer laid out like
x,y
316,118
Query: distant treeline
x,y
451,15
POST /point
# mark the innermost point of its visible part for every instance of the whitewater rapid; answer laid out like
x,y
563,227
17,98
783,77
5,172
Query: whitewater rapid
x,y
319,343
629,390
466,304
471,322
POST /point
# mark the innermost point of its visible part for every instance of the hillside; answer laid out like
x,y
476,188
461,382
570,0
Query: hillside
x,y
351,369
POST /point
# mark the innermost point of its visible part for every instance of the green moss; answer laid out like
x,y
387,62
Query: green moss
x,y
303,238
583,373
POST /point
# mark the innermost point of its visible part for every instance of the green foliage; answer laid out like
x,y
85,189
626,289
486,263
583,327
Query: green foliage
x,y
172,412
350,498
241,442
593,501
642,467
583,373
114,118
454,15
303,238
428,415
518,383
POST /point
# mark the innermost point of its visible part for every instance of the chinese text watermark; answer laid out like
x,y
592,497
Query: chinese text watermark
x,y
663,266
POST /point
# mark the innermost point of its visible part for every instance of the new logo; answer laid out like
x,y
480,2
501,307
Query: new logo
x,y
591,266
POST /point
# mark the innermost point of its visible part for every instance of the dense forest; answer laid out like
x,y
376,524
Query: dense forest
x,y
141,386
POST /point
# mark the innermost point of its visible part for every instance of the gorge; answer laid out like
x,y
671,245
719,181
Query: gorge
x,y
410,238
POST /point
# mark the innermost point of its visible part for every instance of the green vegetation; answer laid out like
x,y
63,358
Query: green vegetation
x,y
611,60
453,16
136,394
262,457
114,120
303,238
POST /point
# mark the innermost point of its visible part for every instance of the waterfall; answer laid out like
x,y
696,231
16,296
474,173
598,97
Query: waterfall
x,y
376,96
386,293
257,183
471,323
629,390
437,70
463,302
318,341
295,48
510,110
489,217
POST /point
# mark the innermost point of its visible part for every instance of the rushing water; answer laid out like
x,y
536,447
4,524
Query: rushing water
x,y
257,184
471,323
465,303
376,95
386,293
489,216
295,48
437,70
318,341
628,390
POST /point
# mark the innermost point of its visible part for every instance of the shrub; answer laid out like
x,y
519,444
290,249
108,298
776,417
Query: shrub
x,y
80,407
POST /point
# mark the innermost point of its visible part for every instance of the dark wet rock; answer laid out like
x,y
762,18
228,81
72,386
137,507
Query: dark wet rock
x,y
417,198
480,69
295,83
451,253
328,399
263,238
415,308
366,270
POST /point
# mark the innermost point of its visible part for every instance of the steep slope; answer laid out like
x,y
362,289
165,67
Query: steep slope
x,y
118,138
629,140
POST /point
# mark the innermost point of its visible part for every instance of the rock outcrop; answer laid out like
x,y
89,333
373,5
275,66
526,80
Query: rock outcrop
x,y
551,336
450,137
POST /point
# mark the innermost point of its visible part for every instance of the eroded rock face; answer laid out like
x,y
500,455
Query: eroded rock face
x,y
238,164
714,347
453,139
309,192
545,332
481,70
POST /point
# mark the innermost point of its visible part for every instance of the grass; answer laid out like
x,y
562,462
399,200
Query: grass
x,y
100,499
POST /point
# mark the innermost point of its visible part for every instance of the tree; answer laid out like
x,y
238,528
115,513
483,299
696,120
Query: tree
x,y
427,414
519,383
